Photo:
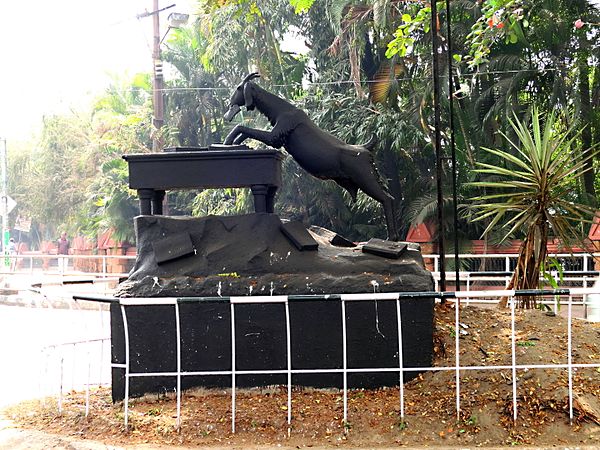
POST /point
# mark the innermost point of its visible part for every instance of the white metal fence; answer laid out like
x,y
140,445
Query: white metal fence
x,y
89,364
569,298
505,262
104,265
93,265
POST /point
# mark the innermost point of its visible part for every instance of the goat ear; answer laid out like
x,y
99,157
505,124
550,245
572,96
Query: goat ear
x,y
248,97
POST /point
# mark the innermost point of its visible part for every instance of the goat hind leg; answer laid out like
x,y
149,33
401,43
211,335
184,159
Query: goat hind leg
x,y
390,219
371,185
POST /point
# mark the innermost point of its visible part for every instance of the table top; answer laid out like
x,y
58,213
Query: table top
x,y
204,169
183,153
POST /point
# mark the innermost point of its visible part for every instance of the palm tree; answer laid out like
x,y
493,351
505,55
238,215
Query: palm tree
x,y
194,110
533,190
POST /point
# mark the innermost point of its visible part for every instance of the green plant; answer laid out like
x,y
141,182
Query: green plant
x,y
471,420
347,426
402,425
452,332
552,272
154,412
531,190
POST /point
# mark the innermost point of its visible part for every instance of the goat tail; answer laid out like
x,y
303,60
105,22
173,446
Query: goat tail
x,y
371,144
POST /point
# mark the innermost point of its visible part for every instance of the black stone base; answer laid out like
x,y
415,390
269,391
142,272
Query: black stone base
x,y
260,331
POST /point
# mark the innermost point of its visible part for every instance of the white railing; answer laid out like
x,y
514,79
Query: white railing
x,y
103,265
95,265
569,298
89,360
583,262
36,263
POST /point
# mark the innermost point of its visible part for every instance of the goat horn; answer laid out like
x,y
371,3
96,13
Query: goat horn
x,y
251,76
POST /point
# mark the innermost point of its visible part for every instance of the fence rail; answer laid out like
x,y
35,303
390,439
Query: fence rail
x,y
474,262
93,265
93,372
569,297
120,265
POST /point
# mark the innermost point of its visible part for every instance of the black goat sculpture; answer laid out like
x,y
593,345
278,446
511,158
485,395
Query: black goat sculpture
x,y
318,152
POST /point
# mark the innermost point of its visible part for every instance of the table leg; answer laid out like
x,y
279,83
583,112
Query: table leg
x,y
145,196
259,191
271,191
157,202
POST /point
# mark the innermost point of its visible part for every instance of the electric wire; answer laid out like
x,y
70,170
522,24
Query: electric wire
x,y
348,82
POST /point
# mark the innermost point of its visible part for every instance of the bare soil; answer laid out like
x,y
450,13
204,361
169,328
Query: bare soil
x,y
485,419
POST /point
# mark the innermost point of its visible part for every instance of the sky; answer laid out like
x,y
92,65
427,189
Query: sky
x,y
58,54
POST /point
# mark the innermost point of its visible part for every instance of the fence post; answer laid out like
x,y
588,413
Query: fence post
x,y
400,358
232,308
345,365
570,358
584,298
60,393
87,385
457,353
178,333
513,347
288,338
126,335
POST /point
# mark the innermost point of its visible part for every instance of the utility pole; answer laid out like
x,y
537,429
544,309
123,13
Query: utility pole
x,y
438,144
158,81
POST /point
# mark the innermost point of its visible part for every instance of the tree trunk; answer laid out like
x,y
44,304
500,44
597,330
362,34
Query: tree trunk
x,y
529,262
586,122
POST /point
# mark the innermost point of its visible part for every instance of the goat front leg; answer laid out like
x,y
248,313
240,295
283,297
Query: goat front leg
x,y
233,134
266,137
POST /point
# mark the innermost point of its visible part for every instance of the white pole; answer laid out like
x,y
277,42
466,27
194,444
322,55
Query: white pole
x,y
60,394
101,345
178,332
570,359
400,358
513,346
126,333
345,366
457,354
232,307
4,205
87,385
288,333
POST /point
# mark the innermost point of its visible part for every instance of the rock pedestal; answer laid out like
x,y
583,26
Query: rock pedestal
x,y
250,255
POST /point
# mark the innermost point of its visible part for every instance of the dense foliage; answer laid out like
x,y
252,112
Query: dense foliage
x,y
366,73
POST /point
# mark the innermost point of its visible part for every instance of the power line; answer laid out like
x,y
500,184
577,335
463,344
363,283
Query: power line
x,y
342,82
349,82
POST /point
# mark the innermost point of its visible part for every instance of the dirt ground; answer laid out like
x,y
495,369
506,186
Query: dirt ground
x,y
374,415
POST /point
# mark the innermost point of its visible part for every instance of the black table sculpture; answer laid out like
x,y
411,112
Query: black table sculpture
x,y
153,173
318,152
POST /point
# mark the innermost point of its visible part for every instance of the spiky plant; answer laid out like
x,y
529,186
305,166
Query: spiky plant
x,y
533,192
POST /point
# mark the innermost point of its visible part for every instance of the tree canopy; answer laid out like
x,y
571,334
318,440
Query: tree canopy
x,y
366,73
